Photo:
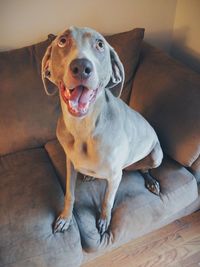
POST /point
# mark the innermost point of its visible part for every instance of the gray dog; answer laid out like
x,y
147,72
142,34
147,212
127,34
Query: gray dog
x,y
99,133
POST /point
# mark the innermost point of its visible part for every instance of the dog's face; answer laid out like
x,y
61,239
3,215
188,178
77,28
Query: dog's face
x,y
81,64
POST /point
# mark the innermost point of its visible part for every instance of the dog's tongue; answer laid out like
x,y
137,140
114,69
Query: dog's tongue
x,y
79,98
80,94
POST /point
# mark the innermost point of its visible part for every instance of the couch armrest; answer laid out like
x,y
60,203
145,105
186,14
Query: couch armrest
x,y
167,93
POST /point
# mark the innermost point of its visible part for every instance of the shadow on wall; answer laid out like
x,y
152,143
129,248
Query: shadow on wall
x,y
159,39
182,52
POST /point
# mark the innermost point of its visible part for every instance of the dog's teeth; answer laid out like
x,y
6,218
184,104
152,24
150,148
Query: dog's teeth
x,y
73,104
67,93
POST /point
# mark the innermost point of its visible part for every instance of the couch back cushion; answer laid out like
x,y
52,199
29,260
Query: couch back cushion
x,y
167,93
128,46
27,115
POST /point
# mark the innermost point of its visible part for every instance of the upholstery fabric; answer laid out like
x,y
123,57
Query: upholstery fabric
x,y
128,46
195,169
136,211
167,93
30,200
27,116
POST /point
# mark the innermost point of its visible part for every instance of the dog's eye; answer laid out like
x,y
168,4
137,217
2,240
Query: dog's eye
x,y
62,42
100,45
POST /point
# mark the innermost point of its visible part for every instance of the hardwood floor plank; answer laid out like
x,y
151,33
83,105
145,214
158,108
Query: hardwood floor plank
x,y
175,256
192,261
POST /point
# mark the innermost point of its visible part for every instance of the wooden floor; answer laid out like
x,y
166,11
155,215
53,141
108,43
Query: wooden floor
x,y
176,245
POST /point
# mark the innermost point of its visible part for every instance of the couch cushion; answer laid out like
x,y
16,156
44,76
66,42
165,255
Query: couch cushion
x,y
136,211
167,93
27,116
30,200
128,46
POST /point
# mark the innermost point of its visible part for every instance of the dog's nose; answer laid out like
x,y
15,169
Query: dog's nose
x,y
81,68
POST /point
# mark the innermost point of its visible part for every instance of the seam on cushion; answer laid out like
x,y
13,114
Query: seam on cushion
x,y
19,151
5,165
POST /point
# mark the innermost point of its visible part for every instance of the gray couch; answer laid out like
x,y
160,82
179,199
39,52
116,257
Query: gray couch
x,y
32,163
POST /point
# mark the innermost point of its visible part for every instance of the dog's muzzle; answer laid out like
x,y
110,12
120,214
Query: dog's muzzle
x,y
79,98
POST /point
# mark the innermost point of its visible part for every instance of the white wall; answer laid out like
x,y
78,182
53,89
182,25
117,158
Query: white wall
x,y
186,35
23,22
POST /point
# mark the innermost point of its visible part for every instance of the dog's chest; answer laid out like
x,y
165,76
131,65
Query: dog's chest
x,y
86,156
91,145
86,151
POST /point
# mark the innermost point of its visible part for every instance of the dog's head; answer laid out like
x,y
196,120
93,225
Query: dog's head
x,y
81,64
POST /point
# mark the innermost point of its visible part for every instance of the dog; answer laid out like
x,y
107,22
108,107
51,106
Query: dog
x,y
100,134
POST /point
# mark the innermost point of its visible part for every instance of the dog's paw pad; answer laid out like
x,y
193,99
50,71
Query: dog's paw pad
x,y
61,225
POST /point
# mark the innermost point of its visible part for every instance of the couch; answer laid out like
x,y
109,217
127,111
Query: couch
x,y
32,163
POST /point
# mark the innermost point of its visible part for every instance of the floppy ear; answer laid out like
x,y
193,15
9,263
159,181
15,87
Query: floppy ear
x,y
49,86
116,82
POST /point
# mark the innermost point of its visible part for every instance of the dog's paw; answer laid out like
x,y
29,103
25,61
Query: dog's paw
x,y
103,224
61,224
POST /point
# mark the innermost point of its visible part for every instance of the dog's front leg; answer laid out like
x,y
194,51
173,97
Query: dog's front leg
x,y
63,221
108,202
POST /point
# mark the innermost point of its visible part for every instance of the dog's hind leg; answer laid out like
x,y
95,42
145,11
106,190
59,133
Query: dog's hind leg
x,y
153,160
151,183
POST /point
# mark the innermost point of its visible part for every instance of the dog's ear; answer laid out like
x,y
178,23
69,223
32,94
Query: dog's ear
x,y
49,86
116,82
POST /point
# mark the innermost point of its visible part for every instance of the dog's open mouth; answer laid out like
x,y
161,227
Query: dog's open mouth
x,y
78,99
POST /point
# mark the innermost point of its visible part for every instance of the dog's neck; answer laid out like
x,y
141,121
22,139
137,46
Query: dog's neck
x,y
89,122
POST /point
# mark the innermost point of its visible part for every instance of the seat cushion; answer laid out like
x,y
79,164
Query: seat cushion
x,y
136,211
167,94
30,200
